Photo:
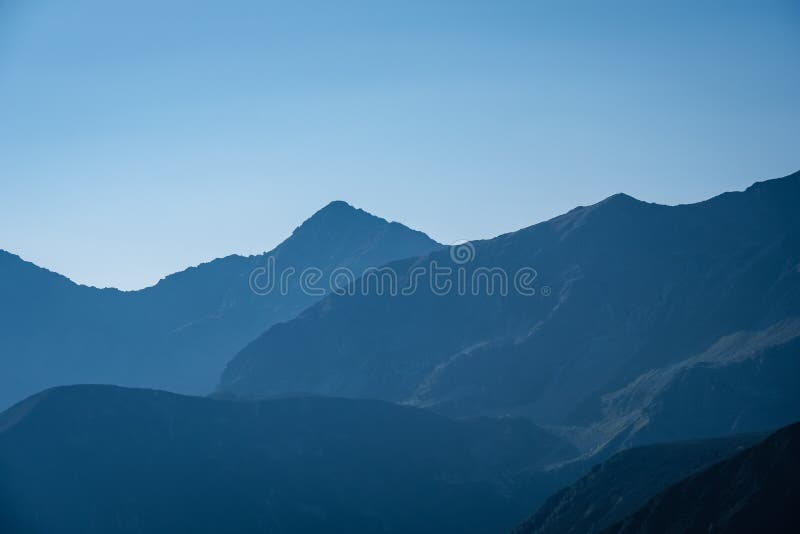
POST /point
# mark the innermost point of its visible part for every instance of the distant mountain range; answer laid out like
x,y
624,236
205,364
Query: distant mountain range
x,y
99,459
652,323
671,334
179,334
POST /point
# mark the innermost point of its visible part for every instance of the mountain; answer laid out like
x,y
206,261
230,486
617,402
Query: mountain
x,y
614,489
623,290
745,382
178,334
753,491
110,459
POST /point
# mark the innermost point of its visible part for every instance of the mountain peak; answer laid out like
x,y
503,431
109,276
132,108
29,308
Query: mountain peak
x,y
338,205
339,210
336,218
621,199
340,226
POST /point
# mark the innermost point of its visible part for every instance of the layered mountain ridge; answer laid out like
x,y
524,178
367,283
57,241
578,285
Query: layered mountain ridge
x,y
633,288
754,491
743,483
616,488
178,334
430,410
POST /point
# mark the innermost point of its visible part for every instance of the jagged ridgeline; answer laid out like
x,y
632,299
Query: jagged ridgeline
x,y
661,323
179,334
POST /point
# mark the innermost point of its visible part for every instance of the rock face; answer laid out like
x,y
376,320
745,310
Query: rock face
x,y
754,491
179,334
100,459
618,487
636,294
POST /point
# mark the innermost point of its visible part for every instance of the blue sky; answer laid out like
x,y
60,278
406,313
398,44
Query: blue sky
x,y
138,139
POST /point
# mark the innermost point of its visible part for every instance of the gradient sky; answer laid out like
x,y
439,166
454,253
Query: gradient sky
x,y
139,139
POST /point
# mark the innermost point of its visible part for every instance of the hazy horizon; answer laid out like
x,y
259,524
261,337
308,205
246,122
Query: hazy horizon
x,y
288,233
139,141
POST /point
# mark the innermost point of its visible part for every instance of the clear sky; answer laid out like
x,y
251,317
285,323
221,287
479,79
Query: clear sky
x,y
142,137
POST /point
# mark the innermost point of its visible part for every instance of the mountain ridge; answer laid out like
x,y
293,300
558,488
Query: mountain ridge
x,y
752,491
95,458
625,282
618,486
178,333
338,206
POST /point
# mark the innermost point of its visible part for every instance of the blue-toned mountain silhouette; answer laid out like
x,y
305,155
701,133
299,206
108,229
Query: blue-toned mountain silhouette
x,y
661,323
99,459
179,334
745,483
432,411
754,491
619,486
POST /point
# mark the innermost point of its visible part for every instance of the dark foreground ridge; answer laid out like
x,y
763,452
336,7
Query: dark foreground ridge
x,y
745,483
755,491
100,459
616,488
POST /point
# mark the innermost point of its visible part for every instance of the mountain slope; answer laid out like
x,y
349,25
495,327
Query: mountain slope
x,y
745,382
178,334
107,459
622,484
623,287
754,491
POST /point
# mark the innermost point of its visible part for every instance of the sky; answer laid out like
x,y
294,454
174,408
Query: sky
x,y
139,138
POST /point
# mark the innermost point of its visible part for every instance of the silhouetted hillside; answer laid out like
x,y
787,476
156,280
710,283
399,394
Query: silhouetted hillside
x,y
619,486
107,459
754,491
